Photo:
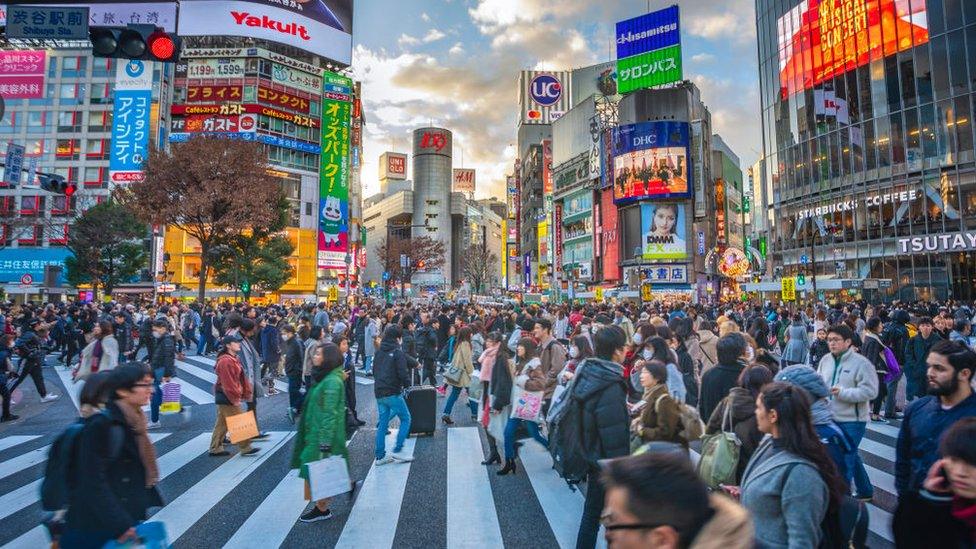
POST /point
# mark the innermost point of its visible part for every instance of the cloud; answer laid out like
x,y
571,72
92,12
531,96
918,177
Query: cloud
x,y
433,35
702,58
407,40
456,49
425,17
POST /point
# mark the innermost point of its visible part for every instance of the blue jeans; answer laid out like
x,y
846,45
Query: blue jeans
x,y
368,364
295,392
394,405
452,398
157,397
204,342
510,429
855,467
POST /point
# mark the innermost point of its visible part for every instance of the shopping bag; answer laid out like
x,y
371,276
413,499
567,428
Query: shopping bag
x,y
242,427
474,388
149,535
328,477
497,422
527,405
171,398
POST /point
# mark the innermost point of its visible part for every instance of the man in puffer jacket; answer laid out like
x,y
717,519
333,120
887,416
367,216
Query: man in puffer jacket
x,y
895,336
601,390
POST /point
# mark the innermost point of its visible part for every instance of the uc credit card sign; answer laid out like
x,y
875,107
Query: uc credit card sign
x,y
131,121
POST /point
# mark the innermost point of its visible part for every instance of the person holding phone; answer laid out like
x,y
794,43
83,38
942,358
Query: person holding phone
x,y
954,476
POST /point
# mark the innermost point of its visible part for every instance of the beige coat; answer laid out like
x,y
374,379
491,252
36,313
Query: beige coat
x,y
464,361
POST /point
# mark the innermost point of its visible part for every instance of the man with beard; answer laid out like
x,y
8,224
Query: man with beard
x,y
921,515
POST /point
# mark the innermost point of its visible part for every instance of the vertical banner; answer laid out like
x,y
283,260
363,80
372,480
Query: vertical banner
x,y
527,264
557,228
13,165
334,171
547,187
131,121
698,167
22,74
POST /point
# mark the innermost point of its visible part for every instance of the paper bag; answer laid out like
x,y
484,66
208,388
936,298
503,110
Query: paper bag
x,y
328,477
527,405
242,427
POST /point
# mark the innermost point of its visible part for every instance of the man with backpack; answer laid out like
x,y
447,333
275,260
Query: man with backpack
x,y
552,356
895,336
30,348
593,425
162,361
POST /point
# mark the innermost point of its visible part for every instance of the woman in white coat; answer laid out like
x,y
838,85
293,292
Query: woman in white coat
x,y
101,354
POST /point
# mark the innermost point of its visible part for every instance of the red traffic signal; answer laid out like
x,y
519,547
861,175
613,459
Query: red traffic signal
x,y
70,189
142,42
420,265
162,46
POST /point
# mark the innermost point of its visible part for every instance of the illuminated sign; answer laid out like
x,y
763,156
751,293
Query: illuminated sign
x,y
545,90
651,161
433,140
286,100
393,166
952,242
820,39
333,241
649,50
851,205
213,93
464,180
663,231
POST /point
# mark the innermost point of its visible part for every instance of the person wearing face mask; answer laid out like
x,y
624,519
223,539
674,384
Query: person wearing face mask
x,y
579,350
620,319
163,364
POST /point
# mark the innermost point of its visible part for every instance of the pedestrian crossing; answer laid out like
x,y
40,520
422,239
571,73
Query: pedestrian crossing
x,y
474,504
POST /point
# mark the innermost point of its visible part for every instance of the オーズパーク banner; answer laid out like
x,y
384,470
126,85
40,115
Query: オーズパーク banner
x,y
334,176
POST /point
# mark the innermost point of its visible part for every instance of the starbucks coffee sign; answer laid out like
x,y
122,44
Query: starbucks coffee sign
x,y
851,205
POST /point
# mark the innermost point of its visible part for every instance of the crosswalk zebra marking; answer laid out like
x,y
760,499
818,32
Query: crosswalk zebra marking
x,y
383,490
879,521
211,376
15,440
192,392
884,429
184,511
72,389
23,461
878,449
468,488
282,507
562,506
881,480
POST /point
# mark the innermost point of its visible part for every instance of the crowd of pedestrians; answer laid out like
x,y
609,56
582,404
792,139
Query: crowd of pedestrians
x,y
775,401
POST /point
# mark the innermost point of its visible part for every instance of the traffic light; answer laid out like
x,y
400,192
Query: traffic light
x,y
144,42
56,184
245,287
420,265
801,280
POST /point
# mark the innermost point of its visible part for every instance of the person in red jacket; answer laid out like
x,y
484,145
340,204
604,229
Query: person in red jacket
x,y
230,390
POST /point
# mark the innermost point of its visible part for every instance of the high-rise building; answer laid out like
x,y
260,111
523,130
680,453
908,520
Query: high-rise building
x,y
432,178
867,116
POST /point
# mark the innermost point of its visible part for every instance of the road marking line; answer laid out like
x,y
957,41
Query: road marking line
x,y
468,488
210,376
383,489
14,440
879,521
71,388
878,449
884,429
281,508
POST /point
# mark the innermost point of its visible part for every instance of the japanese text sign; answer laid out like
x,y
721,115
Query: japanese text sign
x,y
334,182
22,74
131,121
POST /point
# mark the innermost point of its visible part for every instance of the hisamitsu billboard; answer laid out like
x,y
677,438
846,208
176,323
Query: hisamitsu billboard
x,y
649,32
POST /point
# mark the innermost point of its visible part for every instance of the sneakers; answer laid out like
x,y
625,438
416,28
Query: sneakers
x,y
401,457
291,415
10,417
153,425
49,397
384,460
314,515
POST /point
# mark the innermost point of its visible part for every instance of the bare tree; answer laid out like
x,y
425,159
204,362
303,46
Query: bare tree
x,y
208,187
423,254
479,264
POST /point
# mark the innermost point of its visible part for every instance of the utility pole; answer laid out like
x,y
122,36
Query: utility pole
x,y
813,256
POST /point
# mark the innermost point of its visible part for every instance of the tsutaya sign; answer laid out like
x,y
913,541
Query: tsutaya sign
x,y
850,205
952,242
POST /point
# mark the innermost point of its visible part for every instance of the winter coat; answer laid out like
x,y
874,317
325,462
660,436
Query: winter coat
x,y
409,344
322,422
164,355
689,375
477,345
370,332
463,361
872,350
232,385
294,358
529,376
552,357
729,528
818,350
110,495
500,386
919,437
251,363
743,424
708,342
600,387
895,334
797,345
307,353
858,382
270,345
660,420
786,497
391,375
426,343
917,352
716,384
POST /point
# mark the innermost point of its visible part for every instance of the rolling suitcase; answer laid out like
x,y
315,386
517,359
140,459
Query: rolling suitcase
x,y
422,404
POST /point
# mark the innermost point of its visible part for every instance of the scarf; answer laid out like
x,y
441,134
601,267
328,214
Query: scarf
x,y
96,355
487,360
136,420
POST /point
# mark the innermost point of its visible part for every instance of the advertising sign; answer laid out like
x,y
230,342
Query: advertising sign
x,y
13,165
40,22
393,166
698,167
287,76
527,266
433,141
544,96
609,237
130,122
22,74
820,39
669,274
286,100
321,27
334,184
948,242
557,229
663,230
214,123
464,180
788,288
201,94
215,68
596,80
651,161
16,263
649,50
547,187
113,12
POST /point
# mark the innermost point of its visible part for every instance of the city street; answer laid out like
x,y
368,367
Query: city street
x,y
444,498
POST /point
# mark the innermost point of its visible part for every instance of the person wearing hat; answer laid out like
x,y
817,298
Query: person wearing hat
x,y
231,389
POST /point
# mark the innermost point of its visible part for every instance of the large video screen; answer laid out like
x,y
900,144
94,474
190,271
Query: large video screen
x,y
651,161
819,39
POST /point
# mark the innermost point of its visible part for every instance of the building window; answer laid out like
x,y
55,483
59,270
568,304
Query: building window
x,y
69,121
38,122
102,67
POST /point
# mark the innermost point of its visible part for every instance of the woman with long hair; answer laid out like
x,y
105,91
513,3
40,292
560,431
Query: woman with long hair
x,y
790,483
463,361
661,350
579,350
797,342
322,423
101,353
737,413
496,380
873,350
528,377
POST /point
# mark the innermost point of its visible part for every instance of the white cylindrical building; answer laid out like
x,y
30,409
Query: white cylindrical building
x,y
432,177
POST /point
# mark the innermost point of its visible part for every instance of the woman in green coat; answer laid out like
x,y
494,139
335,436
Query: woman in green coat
x,y
322,427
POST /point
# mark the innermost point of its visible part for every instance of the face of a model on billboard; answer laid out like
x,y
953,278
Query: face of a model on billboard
x,y
664,220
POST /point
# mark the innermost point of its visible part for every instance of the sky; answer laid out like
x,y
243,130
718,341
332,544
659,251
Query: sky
x,y
455,63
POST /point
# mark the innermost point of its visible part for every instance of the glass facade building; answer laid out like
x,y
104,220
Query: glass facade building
x,y
867,116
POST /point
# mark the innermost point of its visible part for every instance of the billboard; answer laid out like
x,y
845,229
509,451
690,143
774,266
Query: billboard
x,y
204,94
321,27
116,12
215,68
196,123
649,50
651,161
544,96
610,245
130,120
334,173
547,186
663,231
599,80
819,39
464,180
22,74
393,166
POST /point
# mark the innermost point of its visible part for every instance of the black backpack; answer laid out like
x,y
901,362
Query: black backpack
x,y
569,456
59,472
846,527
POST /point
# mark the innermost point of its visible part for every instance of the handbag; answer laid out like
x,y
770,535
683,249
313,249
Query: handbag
x,y
720,453
171,399
894,369
474,388
328,477
149,535
527,405
241,427
453,374
497,422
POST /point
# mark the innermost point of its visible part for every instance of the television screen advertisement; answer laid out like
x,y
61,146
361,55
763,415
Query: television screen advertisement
x,y
322,27
651,161
663,231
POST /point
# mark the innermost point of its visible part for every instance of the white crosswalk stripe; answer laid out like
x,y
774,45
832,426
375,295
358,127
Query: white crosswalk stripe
x,y
209,375
470,504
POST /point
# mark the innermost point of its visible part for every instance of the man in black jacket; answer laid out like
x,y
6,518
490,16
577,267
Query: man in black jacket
x,y
718,381
895,336
425,341
391,375
294,360
163,364
602,393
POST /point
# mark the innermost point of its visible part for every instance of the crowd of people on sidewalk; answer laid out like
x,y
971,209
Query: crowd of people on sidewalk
x,y
688,425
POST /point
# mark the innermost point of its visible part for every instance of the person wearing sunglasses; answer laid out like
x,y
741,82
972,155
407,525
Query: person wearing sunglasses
x,y
658,501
